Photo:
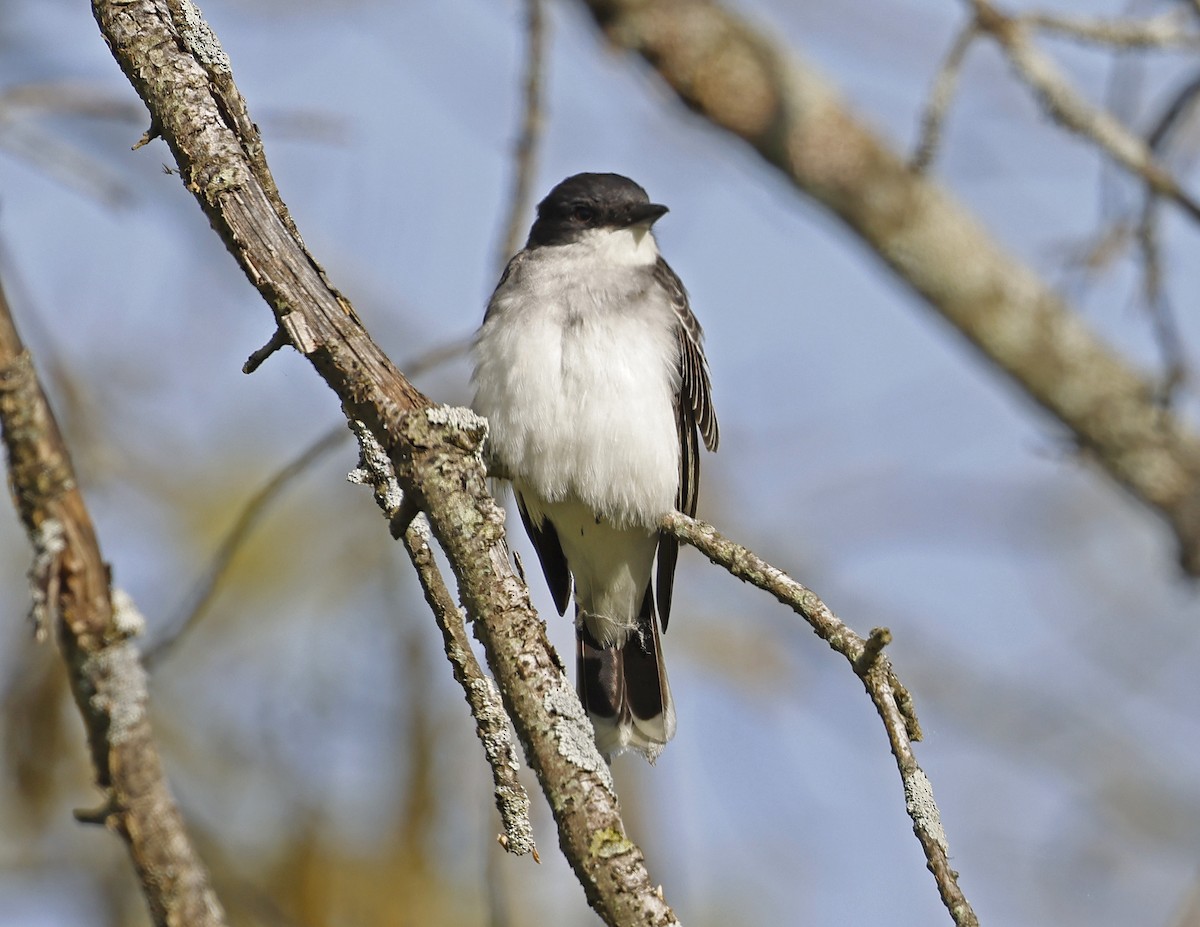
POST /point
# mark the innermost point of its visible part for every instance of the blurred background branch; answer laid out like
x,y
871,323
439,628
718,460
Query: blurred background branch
x,y
71,593
525,153
800,125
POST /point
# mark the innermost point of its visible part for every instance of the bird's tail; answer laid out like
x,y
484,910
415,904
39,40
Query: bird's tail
x,y
624,688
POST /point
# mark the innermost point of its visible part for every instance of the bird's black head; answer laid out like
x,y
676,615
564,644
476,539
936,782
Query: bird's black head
x,y
591,201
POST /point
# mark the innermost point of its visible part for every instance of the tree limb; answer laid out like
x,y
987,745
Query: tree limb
x,y
176,67
872,666
71,589
375,470
743,82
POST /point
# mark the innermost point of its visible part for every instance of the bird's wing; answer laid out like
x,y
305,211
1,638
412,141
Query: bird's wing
x,y
695,418
509,268
550,553
542,534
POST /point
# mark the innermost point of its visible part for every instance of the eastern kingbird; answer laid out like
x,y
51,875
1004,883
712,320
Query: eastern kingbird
x,y
589,369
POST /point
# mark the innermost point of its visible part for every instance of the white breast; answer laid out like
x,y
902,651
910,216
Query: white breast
x,y
578,381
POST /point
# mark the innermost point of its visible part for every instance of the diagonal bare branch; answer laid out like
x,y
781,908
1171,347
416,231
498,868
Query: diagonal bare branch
x,y
256,506
869,663
940,97
178,68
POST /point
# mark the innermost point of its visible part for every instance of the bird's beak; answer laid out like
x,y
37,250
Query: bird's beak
x,y
646,214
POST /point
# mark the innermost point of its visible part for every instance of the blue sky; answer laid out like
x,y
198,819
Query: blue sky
x,y
1038,617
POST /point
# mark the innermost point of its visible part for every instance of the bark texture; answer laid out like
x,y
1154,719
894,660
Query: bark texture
x,y
178,68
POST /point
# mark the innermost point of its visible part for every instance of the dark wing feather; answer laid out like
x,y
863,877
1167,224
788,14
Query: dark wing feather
x,y
695,419
550,553
509,268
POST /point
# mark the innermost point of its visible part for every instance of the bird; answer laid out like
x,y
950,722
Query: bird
x,y
590,370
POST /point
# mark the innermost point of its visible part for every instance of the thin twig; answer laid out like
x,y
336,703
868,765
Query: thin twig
x,y
251,514
1122,97
255,508
1181,104
525,153
1072,111
1167,334
872,666
375,470
1167,30
940,97
277,341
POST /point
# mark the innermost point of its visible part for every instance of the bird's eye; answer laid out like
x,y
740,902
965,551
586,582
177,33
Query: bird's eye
x,y
583,214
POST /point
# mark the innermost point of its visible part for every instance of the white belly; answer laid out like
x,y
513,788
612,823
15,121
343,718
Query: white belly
x,y
581,401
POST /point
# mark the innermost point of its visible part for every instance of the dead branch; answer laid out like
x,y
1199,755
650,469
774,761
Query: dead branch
x,y
375,470
871,665
178,68
71,590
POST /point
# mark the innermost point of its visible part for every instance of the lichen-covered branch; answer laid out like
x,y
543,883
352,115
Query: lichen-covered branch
x,y
556,732
491,720
871,665
71,591
745,83
170,59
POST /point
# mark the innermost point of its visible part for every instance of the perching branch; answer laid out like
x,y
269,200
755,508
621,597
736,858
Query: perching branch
x,y
71,590
178,68
872,666
745,83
